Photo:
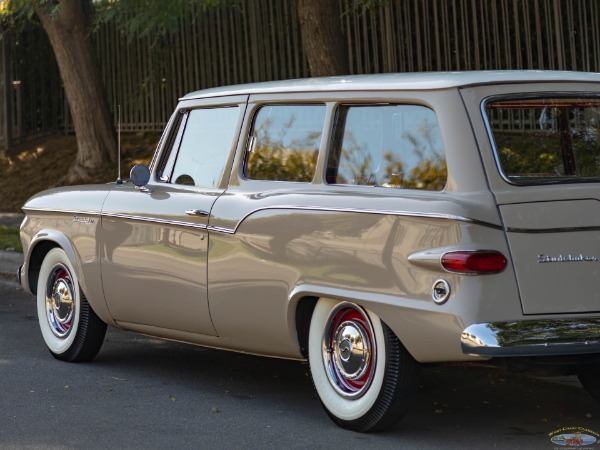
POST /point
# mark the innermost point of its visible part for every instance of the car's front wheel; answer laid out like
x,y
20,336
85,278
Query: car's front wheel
x,y
71,329
362,373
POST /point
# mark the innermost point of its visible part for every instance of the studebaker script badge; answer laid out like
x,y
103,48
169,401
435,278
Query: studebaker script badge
x,y
83,219
568,258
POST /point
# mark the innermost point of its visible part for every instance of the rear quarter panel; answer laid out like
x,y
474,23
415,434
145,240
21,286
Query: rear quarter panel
x,y
272,243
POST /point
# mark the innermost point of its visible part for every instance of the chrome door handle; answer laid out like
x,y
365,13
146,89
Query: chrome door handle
x,y
196,212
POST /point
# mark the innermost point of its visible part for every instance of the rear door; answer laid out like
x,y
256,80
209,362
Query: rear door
x,y
541,147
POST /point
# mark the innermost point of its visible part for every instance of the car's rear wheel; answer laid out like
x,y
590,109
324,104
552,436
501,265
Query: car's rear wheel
x,y
71,329
362,373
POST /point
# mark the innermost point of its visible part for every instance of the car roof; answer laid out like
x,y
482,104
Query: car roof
x,y
397,81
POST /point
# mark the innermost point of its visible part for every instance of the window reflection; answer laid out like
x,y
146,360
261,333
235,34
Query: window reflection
x,y
205,146
397,146
285,143
547,139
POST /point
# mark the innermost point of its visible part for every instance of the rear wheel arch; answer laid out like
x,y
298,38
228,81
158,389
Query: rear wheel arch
x,y
303,316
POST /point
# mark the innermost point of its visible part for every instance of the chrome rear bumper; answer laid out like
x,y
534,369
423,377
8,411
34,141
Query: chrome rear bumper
x,y
532,338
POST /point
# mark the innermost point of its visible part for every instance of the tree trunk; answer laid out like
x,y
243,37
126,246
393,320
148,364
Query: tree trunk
x,y
323,42
68,32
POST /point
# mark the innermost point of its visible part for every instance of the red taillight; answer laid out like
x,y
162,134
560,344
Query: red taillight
x,y
474,262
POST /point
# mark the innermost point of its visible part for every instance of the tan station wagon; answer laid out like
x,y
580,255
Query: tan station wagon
x,y
369,224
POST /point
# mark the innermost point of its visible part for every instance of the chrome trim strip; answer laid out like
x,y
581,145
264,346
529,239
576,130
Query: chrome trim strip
x,y
63,211
532,338
221,229
155,220
282,207
376,211
551,230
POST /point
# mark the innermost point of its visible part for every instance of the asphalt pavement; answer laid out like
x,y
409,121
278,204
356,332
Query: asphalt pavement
x,y
146,393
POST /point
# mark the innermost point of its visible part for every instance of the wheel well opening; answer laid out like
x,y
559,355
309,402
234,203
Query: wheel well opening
x,y
304,311
35,262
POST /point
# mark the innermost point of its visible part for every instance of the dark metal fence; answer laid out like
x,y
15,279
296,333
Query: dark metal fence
x,y
259,40
32,102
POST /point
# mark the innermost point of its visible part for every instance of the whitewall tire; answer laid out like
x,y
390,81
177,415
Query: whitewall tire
x,y
364,376
69,326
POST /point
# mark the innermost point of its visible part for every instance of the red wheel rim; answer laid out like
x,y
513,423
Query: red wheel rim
x,y
60,301
349,350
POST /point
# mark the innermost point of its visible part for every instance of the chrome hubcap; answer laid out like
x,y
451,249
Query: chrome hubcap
x,y
349,350
60,301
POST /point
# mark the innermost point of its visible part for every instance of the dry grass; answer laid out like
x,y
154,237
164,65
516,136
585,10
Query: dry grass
x,y
39,165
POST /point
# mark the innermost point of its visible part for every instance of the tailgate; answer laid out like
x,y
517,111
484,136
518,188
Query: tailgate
x,y
547,149
555,248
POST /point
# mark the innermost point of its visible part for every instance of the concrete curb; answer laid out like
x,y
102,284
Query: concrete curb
x,y
11,219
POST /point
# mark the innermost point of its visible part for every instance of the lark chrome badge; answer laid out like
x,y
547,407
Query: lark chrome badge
x,y
83,219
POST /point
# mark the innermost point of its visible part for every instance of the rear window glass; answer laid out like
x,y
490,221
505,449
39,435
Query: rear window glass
x,y
546,139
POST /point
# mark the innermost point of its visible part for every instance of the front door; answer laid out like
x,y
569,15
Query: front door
x,y
155,239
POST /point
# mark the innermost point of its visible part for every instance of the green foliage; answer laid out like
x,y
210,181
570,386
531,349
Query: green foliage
x,y
151,17
15,15
278,163
538,155
134,17
18,15
26,8
430,174
534,153
587,150
542,143
9,238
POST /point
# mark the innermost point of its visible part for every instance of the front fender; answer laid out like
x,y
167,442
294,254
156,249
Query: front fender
x,y
88,272
41,243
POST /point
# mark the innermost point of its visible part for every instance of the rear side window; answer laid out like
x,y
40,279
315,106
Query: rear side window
x,y
392,146
285,142
546,139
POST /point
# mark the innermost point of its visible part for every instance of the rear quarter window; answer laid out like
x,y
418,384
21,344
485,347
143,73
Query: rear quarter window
x,y
389,146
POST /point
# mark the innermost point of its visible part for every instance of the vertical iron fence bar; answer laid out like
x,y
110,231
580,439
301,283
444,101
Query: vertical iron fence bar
x,y
7,48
